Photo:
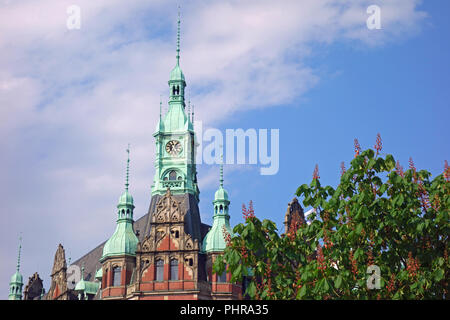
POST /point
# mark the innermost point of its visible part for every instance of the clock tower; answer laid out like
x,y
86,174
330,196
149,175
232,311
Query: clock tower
x,y
175,141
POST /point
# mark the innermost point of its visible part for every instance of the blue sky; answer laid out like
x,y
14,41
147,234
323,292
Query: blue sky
x,y
71,101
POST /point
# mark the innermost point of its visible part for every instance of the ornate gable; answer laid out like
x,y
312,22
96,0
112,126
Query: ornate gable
x,y
58,288
167,239
33,289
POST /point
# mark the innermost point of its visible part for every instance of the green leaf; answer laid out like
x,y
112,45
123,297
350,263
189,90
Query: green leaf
x,y
325,285
359,252
251,290
359,228
338,281
420,227
302,292
390,162
237,272
439,274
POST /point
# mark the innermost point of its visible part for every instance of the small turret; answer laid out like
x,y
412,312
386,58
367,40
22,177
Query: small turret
x,y
215,239
124,240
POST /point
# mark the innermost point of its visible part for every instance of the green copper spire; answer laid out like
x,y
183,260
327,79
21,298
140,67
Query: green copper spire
x,y
128,168
124,240
215,238
16,283
221,173
177,74
178,37
18,255
175,139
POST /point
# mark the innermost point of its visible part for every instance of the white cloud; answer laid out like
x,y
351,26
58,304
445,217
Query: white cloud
x,y
70,101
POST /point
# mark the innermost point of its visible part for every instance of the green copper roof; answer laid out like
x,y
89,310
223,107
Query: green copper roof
x,y
176,120
124,240
89,287
16,283
176,74
126,199
86,287
99,274
16,278
215,239
221,195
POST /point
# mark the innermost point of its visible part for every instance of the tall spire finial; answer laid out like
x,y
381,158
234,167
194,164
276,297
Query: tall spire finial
x,y
178,37
221,169
18,256
160,107
128,167
189,106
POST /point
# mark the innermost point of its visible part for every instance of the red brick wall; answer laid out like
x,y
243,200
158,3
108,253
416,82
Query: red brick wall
x,y
149,274
167,244
113,292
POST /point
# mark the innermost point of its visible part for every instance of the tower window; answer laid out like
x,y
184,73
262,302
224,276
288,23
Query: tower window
x,y
175,90
117,272
174,269
159,270
173,175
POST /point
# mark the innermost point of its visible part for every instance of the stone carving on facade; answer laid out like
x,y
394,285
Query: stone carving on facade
x,y
167,239
167,209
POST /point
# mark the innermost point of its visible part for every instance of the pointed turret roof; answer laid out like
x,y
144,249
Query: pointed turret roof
x,y
124,240
215,239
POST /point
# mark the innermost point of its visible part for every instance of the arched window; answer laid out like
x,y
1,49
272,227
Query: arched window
x,y
221,209
159,270
222,277
117,272
173,175
174,269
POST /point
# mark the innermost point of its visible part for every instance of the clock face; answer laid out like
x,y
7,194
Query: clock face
x,y
173,147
